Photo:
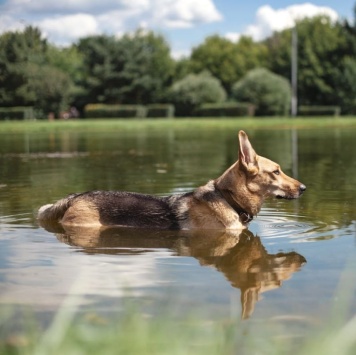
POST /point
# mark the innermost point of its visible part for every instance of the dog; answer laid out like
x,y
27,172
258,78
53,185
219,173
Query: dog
x,y
229,202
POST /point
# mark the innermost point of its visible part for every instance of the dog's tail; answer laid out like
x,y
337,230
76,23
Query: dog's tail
x,y
54,212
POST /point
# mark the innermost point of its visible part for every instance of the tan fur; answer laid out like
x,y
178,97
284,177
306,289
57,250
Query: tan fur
x,y
248,183
215,214
82,213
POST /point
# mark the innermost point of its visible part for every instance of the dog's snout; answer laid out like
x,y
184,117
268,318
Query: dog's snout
x,y
302,188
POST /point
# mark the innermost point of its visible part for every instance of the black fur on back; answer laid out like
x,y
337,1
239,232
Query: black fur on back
x,y
134,209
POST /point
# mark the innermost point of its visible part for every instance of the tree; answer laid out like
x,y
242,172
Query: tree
x,y
99,79
26,78
147,67
194,90
345,82
321,47
70,61
136,68
50,87
346,79
16,50
269,92
226,60
182,68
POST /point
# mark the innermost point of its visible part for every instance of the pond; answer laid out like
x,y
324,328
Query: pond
x,y
292,268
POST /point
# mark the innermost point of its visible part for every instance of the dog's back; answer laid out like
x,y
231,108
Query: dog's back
x,y
115,208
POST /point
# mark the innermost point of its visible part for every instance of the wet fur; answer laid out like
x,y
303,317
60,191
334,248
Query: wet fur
x,y
222,203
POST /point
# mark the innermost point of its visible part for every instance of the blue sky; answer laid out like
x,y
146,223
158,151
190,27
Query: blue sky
x,y
185,23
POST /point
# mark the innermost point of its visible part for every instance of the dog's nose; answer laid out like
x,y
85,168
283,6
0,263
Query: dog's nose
x,y
302,188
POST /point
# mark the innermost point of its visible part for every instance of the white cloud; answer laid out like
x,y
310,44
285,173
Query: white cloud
x,y
233,36
180,53
65,29
269,20
68,20
72,6
8,23
185,13
121,21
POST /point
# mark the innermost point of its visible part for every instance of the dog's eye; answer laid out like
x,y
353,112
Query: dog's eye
x,y
276,172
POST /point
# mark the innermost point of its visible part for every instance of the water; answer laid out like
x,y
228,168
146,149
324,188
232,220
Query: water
x,y
292,268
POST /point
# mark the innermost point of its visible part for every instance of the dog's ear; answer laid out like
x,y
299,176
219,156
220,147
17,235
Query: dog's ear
x,y
247,155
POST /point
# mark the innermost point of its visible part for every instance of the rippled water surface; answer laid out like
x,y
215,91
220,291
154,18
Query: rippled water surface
x,y
292,265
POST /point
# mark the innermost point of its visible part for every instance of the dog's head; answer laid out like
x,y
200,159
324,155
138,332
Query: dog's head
x,y
263,176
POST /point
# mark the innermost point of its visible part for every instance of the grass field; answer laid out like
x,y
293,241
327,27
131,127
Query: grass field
x,y
244,123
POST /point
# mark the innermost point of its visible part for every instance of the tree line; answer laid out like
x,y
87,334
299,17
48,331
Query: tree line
x,y
138,69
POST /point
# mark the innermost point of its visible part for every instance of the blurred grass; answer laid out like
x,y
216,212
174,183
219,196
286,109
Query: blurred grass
x,y
136,333
130,330
127,124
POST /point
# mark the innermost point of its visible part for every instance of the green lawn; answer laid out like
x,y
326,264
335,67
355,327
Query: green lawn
x,y
244,123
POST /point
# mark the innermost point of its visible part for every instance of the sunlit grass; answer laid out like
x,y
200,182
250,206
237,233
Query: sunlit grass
x,y
127,124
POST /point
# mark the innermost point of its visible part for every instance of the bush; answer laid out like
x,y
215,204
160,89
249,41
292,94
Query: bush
x,y
160,110
16,113
114,111
194,90
269,92
227,109
319,111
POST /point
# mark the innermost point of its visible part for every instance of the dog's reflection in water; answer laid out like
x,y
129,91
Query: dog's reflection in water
x,y
241,257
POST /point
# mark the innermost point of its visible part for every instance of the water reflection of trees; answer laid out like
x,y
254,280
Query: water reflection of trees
x,y
241,257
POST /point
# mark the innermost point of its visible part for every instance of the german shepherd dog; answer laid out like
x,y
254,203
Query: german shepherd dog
x,y
229,202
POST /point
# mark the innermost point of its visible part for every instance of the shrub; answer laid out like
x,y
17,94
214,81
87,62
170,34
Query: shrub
x,y
160,110
195,89
227,109
269,92
114,111
319,111
16,113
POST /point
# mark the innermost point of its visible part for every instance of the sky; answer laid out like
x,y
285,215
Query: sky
x,y
184,23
